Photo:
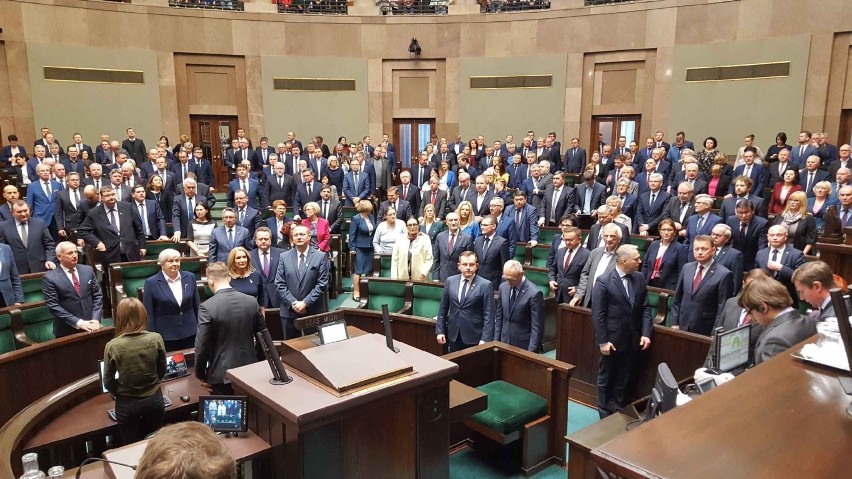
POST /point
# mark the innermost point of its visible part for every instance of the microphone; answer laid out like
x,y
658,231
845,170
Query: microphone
x,y
95,459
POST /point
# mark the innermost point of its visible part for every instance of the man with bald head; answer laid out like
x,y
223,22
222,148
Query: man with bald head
x,y
779,259
10,194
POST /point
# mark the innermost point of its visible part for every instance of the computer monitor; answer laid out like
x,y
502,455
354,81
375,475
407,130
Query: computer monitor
x,y
664,394
388,333
101,376
224,413
732,349
175,367
279,375
333,332
842,303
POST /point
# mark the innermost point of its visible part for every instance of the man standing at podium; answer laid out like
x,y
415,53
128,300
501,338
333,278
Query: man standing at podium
x,y
302,279
466,315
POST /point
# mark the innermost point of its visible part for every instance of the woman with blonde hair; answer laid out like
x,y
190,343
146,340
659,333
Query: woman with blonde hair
x,y
801,225
614,202
244,278
467,220
431,225
820,202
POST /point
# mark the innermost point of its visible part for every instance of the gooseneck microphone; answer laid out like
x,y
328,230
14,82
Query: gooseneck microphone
x,y
97,459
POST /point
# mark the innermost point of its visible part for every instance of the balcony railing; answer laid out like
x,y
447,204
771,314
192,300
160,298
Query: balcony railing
x,y
499,6
208,4
316,7
413,7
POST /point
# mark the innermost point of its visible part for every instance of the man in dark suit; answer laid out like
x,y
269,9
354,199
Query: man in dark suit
x,y
114,229
435,197
575,157
844,160
402,208
783,326
249,185
601,261
702,290
813,281
279,186
73,162
134,147
227,237
519,318
227,322
330,210
247,217
492,251
31,243
356,184
152,218
409,192
622,320
116,182
703,221
780,260
525,217
245,153
651,206
605,217
505,224
750,169
265,259
182,168
748,232
183,209
13,143
41,196
67,214
775,170
448,247
203,168
420,173
803,150
466,315
463,191
302,280
482,198
810,175
590,194
10,194
558,200
306,192
171,300
263,151
742,188
680,208
726,255
564,272
72,294
80,146
11,292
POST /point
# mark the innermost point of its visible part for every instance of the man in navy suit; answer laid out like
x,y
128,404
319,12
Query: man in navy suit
x,y
263,151
183,167
702,222
749,232
306,192
247,217
31,243
651,207
152,218
420,172
227,237
727,255
265,259
402,207
302,280
13,143
172,314
590,194
575,157
248,185
466,315
756,172
505,224
519,318
702,290
246,153
41,196
356,184
449,245
72,294
526,219
564,271
810,175
622,320
492,251
482,199
644,178
10,194
742,188
803,150
558,200
203,168
645,153
780,260
11,292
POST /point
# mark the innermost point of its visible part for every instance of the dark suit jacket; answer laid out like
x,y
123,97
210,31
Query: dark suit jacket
x,y
66,305
696,311
302,197
248,154
648,214
334,215
445,262
567,278
226,325
155,219
30,257
754,241
732,259
272,192
790,260
181,217
67,216
491,262
307,286
440,203
618,319
472,318
413,197
671,263
566,203
7,151
456,197
520,323
165,316
598,196
819,175
10,281
673,209
220,246
692,230
729,318
774,176
799,160
135,149
527,228
253,192
5,212
251,222
806,232
403,210
786,330
96,228
758,178
362,190
729,207
585,288
271,298
575,160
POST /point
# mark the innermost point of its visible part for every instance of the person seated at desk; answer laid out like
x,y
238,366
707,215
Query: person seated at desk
x,y
813,281
768,302
139,358
186,449
733,316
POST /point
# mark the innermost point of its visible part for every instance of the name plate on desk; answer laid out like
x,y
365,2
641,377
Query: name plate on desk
x,y
347,366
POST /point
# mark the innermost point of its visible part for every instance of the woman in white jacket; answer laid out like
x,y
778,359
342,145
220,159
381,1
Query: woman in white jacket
x,y
412,254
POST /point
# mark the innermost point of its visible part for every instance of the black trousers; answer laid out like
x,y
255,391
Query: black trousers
x,y
222,389
458,344
180,344
613,377
138,417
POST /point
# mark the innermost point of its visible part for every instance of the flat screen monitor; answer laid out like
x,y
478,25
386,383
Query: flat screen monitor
x,y
842,308
664,394
732,348
101,376
224,413
333,332
175,367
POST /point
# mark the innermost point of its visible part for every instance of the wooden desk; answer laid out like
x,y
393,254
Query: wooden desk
x,y
465,401
781,419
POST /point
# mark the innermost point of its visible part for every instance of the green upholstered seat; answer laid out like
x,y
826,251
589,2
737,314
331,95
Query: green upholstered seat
x,y
384,292
520,254
540,279
385,262
641,244
153,248
7,337
717,202
509,407
653,302
545,236
539,257
134,277
38,324
33,291
427,300
349,212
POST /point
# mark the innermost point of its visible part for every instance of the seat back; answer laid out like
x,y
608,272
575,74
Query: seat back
x,y
546,235
426,299
538,256
539,278
660,300
641,243
389,292
38,323
31,284
384,265
154,248
521,253
7,336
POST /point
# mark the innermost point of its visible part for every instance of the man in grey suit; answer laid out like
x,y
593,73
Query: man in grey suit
x,y
601,261
769,303
301,279
227,237
813,281
519,318
702,289
226,325
11,292
72,294
733,316
446,258
564,272
437,198
726,255
466,314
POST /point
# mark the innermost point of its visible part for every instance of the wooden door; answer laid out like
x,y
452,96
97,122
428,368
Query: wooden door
x,y
607,129
213,134
410,137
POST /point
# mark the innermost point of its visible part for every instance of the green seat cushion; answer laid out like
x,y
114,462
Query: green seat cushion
x,y
391,294
7,337
540,279
38,324
427,300
33,291
520,254
539,257
545,236
641,244
509,407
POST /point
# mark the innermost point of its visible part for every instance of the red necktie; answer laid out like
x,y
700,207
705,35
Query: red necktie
x,y
452,243
75,281
656,273
567,260
433,198
697,281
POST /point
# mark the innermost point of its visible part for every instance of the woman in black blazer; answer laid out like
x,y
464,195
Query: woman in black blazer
x,y
664,274
723,182
801,225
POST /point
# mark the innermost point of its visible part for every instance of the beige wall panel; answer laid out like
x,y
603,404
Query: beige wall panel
x,y
729,110
496,113
332,114
95,108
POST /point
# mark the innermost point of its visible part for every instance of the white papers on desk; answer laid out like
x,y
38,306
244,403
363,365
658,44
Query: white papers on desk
x,y
828,350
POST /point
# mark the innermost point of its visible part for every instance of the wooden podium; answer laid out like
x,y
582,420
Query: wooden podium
x,y
396,426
